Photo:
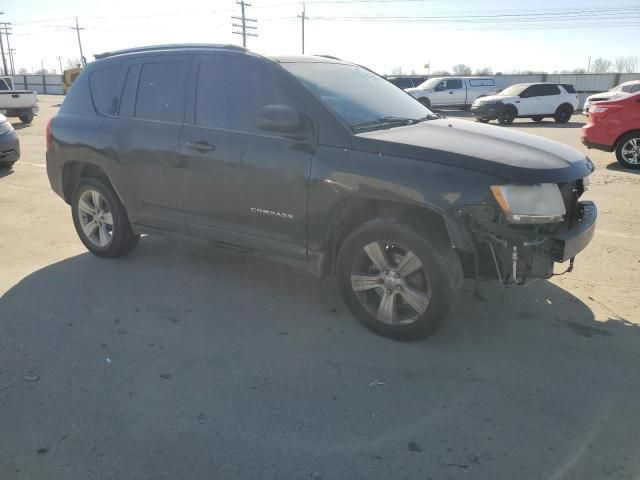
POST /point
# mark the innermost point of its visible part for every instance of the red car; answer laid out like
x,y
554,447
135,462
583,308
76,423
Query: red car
x,y
614,125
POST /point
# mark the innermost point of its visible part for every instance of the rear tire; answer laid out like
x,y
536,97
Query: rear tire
x,y
425,101
101,220
507,116
28,118
628,150
537,119
563,114
399,305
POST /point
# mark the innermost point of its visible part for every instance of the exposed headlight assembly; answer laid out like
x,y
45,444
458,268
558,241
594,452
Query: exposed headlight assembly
x,y
527,204
5,127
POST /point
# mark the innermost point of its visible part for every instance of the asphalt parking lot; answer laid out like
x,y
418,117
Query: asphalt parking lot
x,y
185,362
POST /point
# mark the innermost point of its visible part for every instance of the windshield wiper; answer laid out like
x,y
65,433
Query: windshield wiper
x,y
383,122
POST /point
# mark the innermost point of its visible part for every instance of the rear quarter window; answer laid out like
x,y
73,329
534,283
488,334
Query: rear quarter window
x,y
569,88
103,89
482,82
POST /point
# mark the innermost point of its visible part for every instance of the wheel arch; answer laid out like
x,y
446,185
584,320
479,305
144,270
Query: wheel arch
x,y
74,171
350,213
615,144
565,104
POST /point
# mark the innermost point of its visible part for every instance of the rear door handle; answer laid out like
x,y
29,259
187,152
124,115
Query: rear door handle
x,y
201,146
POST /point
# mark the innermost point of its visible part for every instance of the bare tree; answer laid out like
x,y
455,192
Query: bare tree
x,y
578,71
42,71
23,71
72,63
461,69
396,71
627,64
600,65
484,71
441,73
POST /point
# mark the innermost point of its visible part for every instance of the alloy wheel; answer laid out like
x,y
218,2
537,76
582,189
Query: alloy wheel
x,y
391,282
631,151
95,218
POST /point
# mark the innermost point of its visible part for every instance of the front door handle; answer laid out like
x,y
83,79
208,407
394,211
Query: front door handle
x,y
201,146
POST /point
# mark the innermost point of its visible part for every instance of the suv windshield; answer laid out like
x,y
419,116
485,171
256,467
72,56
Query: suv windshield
x,y
359,97
513,90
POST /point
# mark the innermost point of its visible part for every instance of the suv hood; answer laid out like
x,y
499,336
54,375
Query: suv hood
x,y
513,156
598,97
501,98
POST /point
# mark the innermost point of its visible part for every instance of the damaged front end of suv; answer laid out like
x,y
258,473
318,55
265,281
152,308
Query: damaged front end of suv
x,y
521,231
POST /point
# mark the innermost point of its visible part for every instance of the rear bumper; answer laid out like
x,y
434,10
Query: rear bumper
x,y
9,147
596,146
16,112
568,244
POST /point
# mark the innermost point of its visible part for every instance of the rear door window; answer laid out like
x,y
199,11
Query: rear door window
x,y
103,84
547,90
161,91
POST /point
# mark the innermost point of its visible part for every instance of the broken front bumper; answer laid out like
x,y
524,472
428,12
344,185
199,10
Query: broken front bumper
x,y
568,244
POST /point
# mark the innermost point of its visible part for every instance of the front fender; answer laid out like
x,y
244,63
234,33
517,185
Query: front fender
x,y
339,175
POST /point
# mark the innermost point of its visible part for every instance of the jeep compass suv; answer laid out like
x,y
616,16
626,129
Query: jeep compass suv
x,y
316,162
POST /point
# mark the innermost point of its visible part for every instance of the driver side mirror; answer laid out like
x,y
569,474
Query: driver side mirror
x,y
439,87
281,119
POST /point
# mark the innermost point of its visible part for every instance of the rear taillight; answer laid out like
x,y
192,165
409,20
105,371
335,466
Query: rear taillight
x,y
47,134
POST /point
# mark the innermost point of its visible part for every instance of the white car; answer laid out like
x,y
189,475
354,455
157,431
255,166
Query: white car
x,y
619,91
453,91
528,100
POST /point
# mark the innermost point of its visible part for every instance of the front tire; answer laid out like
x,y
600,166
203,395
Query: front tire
x,y
101,220
563,114
628,150
425,101
395,281
27,118
507,116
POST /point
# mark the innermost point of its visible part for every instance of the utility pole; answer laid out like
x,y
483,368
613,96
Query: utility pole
x,y
245,23
13,65
4,60
302,17
42,65
77,29
7,31
60,62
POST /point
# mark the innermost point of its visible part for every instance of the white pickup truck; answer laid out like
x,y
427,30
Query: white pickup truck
x,y
17,103
453,91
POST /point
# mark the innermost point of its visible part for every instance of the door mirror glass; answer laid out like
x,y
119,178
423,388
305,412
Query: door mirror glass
x,y
440,87
279,119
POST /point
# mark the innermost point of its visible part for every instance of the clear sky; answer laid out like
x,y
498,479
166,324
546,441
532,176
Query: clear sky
x,y
382,34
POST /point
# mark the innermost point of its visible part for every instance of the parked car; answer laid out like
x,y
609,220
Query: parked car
x,y
614,125
17,103
406,81
453,91
619,91
9,144
324,165
528,100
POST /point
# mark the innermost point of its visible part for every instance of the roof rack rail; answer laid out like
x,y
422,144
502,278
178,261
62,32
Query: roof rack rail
x,y
329,56
173,46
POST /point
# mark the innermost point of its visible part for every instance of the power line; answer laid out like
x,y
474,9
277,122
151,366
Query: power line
x,y
246,24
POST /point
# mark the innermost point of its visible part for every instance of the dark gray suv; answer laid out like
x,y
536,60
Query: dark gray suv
x,y
315,162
